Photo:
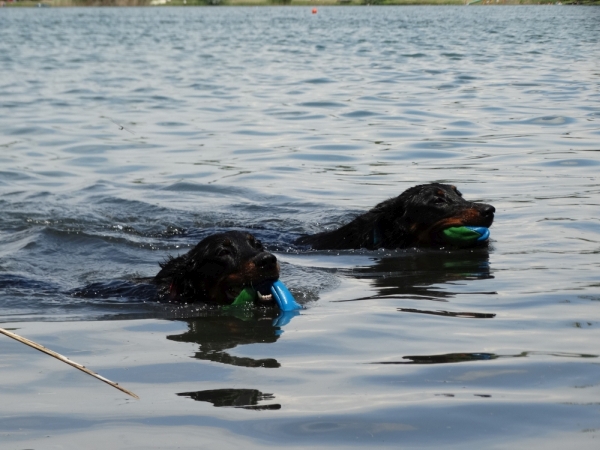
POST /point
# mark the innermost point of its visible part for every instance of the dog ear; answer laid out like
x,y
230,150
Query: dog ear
x,y
207,270
387,222
186,277
392,207
387,213
200,275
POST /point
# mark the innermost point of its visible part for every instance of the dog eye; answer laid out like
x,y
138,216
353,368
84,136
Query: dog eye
x,y
439,200
224,252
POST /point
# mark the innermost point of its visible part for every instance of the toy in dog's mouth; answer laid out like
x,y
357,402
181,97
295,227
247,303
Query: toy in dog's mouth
x,y
267,293
465,236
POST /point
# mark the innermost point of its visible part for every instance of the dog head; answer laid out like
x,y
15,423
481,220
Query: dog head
x,y
218,269
421,213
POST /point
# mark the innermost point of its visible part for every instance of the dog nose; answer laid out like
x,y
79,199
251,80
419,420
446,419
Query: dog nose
x,y
488,210
265,259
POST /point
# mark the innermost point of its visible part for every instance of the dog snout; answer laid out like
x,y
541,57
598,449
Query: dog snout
x,y
487,210
265,260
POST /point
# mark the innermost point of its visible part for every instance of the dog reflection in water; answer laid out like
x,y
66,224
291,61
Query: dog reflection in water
x,y
236,398
218,333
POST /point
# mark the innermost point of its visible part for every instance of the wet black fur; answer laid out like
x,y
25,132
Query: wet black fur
x,y
197,276
401,222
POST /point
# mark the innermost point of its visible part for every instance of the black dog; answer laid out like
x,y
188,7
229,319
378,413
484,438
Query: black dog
x,y
416,218
218,269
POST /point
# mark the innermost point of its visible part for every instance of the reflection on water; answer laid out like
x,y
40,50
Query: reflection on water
x,y
465,357
444,359
426,275
237,398
219,332
463,314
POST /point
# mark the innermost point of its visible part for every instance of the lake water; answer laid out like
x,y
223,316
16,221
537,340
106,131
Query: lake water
x,y
128,134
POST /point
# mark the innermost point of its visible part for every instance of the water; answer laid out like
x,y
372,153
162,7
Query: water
x,y
127,135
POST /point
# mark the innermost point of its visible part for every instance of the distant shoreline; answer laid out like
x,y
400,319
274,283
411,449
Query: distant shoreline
x,y
314,3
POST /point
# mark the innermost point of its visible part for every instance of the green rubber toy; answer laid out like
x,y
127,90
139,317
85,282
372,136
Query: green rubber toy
x,y
466,236
245,298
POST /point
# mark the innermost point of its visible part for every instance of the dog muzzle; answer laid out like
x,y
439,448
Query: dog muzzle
x,y
279,293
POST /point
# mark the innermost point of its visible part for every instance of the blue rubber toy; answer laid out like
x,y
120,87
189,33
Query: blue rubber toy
x,y
283,297
483,231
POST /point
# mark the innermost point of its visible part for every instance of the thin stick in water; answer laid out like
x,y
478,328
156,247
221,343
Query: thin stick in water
x,y
64,359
